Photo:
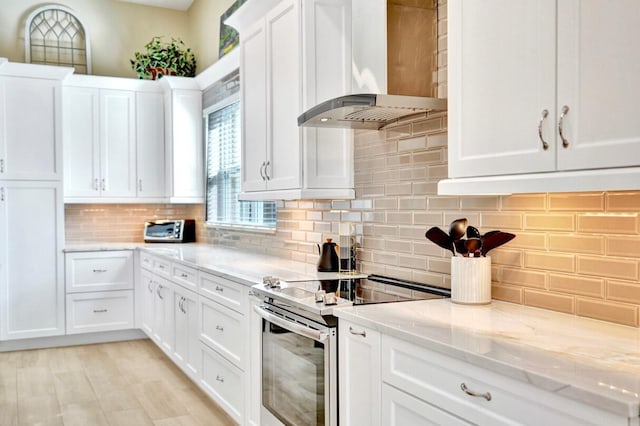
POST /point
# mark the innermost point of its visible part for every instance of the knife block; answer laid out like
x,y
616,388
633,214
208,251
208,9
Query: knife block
x,y
471,280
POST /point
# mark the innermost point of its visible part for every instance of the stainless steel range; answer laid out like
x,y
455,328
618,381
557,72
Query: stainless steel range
x,y
299,341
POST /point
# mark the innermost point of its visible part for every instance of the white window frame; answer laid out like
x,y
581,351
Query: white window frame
x,y
225,225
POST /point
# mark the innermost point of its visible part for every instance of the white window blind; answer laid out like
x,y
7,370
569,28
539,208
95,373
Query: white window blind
x,y
223,172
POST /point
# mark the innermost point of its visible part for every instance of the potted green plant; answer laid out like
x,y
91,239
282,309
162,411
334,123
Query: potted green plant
x,y
164,58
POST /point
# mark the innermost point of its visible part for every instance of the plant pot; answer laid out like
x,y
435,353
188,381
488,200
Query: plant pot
x,y
471,280
156,73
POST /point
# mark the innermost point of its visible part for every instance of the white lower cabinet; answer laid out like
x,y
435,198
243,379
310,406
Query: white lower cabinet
x,y
359,374
388,381
474,394
99,287
99,311
200,321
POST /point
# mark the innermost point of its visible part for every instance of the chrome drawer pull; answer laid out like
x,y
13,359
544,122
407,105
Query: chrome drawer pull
x,y
183,275
99,311
220,289
99,270
220,379
1,165
469,392
362,333
219,328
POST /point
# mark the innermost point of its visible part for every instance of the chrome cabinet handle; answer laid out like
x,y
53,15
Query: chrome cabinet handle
x,y
469,392
149,286
565,142
95,185
159,291
1,194
362,333
220,379
140,185
183,275
266,172
104,184
99,270
1,165
263,166
219,328
99,311
219,289
545,113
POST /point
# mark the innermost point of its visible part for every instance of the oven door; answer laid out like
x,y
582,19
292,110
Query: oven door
x,y
299,370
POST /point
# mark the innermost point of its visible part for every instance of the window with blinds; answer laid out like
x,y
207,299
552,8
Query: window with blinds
x,y
223,164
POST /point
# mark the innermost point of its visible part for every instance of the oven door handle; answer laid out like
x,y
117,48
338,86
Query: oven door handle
x,y
291,326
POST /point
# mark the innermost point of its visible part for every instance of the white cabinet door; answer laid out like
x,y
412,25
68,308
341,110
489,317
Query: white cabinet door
x,y
117,143
146,291
183,121
253,86
186,350
283,94
31,260
30,129
501,79
599,81
163,315
359,374
326,74
81,111
150,149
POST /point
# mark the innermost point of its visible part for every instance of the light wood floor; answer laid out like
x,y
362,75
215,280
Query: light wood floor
x,y
126,383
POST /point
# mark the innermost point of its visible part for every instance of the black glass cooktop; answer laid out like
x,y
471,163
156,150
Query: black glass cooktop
x,y
379,289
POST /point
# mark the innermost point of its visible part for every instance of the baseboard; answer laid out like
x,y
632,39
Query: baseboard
x,y
72,340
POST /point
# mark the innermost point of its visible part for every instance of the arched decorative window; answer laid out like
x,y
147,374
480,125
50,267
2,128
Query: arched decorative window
x,y
54,35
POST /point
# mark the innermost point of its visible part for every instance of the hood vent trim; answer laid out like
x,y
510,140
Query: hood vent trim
x,y
368,111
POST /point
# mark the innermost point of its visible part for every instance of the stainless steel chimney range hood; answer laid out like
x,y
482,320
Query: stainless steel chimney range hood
x,y
368,111
392,70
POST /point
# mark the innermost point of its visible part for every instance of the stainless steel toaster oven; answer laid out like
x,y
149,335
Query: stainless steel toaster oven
x,y
170,231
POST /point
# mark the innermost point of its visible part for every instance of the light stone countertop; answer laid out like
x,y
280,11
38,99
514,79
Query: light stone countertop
x,y
237,265
591,361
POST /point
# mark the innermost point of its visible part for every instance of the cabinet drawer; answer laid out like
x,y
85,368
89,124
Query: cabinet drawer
x,y
222,329
99,311
99,271
184,275
146,260
162,267
222,381
228,293
400,409
441,381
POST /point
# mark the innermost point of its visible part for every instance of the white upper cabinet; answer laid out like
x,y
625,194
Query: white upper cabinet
x,y
293,54
183,139
30,121
541,96
114,148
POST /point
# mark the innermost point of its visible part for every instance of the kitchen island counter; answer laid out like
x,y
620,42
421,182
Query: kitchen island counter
x,y
590,361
